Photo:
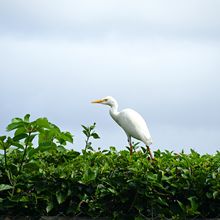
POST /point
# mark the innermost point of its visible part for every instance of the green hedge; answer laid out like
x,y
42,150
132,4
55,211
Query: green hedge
x,y
39,177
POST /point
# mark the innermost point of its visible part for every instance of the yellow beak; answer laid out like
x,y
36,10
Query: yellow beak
x,y
97,101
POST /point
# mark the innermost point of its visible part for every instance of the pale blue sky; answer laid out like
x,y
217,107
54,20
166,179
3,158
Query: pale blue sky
x,y
160,58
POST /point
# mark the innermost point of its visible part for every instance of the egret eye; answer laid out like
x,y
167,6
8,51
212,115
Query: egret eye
x,y
105,100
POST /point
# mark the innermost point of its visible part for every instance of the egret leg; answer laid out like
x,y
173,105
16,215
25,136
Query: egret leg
x,y
131,149
151,156
130,144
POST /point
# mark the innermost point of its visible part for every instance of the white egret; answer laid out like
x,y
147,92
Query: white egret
x,y
130,121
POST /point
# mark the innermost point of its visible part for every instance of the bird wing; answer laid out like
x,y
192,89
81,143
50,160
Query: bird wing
x,y
134,125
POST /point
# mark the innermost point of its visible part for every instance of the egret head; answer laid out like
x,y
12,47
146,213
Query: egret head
x,y
108,100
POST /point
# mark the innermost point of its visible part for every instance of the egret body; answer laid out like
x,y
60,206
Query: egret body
x,y
130,121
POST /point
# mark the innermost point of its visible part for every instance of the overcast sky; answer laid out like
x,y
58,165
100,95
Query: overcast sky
x,y
161,58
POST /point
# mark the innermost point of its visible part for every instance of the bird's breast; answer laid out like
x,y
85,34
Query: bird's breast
x,y
133,124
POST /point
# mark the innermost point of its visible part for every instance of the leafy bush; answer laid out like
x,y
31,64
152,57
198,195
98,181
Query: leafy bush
x,y
39,176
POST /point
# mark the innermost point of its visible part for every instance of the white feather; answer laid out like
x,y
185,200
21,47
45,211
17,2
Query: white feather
x,y
134,125
129,120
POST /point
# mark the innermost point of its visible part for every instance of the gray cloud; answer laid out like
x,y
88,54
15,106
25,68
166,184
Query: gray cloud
x,y
99,19
160,59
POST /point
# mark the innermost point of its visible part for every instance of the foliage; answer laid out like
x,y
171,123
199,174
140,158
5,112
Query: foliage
x,y
39,176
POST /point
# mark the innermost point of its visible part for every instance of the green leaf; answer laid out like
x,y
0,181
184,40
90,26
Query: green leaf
x,y
89,147
92,127
152,177
95,136
44,147
2,144
21,130
16,120
112,149
2,138
84,127
30,138
24,199
193,202
16,144
214,175
209,195
162,201
215,194
5,187
86,133
27,117
159,176
20,137
90,175
31,166
13,126
31,151
113,191
181,205
67,136
43,123
61,197
49,206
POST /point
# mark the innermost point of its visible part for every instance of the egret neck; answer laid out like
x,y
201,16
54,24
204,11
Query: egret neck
x,y
114,110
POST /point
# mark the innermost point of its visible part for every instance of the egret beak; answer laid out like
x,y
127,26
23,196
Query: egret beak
x,y
97,101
